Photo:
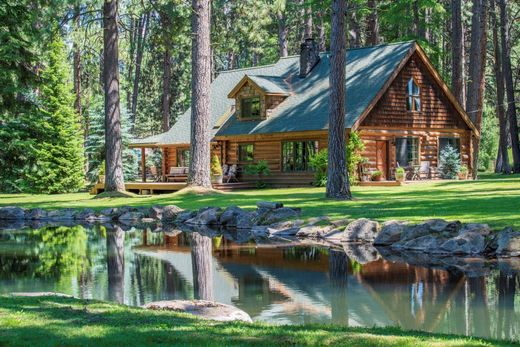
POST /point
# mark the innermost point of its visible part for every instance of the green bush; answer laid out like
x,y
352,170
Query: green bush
x,y
354,148
216,168
449,162
259,169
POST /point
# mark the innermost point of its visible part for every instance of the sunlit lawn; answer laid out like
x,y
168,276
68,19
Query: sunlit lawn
x,y
493,199
72,322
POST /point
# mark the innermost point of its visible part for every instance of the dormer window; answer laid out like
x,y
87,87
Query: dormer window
x,y
250,108
413,101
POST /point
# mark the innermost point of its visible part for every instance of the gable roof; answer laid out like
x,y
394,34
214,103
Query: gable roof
x,y
272,85
369,72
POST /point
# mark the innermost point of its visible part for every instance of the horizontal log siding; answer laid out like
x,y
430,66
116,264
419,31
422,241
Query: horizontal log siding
x,y
436,111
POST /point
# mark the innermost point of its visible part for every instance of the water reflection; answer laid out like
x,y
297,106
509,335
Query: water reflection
x,y
275,282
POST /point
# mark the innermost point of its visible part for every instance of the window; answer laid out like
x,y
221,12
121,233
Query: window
x,y
183,157
296,155
250,108
444,142
413,102
407,151
245,152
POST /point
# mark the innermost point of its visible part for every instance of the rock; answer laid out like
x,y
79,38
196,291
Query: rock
x,y
155,212
287,228
466,243
260,231
269,205
203,309
12,213
184,216
206,216
236,217
245,220
390,233
317,220
36,214
131,216
62,215
278,215
86,214
314,231
341,222
362,253
425,244
508,243
482,229
114,211
360,230
170,212
432,226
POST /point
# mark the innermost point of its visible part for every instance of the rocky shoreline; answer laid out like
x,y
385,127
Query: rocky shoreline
x,y
435,238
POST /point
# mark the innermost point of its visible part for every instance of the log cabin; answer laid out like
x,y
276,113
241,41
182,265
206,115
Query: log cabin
x,y
395,99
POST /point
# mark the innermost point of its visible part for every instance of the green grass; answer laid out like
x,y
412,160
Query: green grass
x,y
493,199
52,321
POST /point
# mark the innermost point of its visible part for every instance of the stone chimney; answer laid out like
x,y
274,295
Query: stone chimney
x,y
309,56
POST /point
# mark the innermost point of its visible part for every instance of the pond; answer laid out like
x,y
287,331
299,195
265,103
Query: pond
x,y
283,282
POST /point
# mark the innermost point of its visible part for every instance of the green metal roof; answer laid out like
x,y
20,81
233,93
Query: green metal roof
x,y
271,84
306,107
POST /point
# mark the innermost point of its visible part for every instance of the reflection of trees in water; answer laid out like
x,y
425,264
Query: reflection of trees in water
x,y
57,252
202,267
304,253
508,323
116,263
338,270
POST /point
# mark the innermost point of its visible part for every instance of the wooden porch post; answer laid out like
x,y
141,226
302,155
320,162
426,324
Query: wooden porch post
x,y
164,158
143,163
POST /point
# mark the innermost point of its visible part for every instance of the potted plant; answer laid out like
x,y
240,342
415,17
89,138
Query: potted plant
x,y
216,170
400,174
101,173
377,175
463,172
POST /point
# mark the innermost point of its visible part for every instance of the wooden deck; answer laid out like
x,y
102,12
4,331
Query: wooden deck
x,y
380,183
144,187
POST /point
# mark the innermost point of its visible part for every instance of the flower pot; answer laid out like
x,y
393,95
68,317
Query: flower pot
x,y
399,178
217,179
378,178
101,179
462,176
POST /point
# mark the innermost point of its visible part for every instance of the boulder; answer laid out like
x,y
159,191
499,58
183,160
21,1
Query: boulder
x,y
270,205
314,231
482,229
155,212
114,211
278,215
234,216
245,220
425,244
131,216
36,214
204,309
360,230
260,231
341,222
286,228
432,226
508,243
12,213
206,216
86,214
67,214
390,233
318,220
170,212
466,243
184,216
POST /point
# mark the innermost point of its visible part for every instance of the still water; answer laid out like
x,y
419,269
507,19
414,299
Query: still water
x,y
282,282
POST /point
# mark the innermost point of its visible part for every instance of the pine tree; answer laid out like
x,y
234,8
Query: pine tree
x,y
59,164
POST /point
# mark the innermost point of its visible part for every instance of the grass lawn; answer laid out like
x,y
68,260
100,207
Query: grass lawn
x,y
493,199
52,321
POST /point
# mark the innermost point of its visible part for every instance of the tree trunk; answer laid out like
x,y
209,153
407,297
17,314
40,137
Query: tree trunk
x,y
201,266
354,28
416,19
338,186
372,37
167,71
134,24
141,40
200,95
307,33
116,264
510,88
477,66
321,31
282,35
114,180
457,77
77,66
502,162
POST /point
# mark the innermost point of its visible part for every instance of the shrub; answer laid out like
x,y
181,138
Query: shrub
x,y
354,148
400,173
216,168
259,169
376,174
449,162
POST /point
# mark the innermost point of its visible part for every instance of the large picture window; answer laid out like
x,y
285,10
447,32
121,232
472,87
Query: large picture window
x,y
246,152
444,142
296,155
413,102
183,157
250,108
407,151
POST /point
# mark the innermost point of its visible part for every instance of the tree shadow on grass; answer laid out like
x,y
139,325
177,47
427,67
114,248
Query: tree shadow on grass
x,y
50,321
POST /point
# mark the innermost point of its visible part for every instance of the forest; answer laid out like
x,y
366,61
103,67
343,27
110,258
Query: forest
x,y
55,64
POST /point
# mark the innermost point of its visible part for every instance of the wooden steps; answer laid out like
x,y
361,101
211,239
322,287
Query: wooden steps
x,y
227,187
380,184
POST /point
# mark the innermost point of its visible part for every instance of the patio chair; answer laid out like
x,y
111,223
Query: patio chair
x,y
231,174
178,174
424,170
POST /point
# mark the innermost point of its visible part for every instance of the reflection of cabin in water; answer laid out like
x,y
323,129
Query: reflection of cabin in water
x,y
313,284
